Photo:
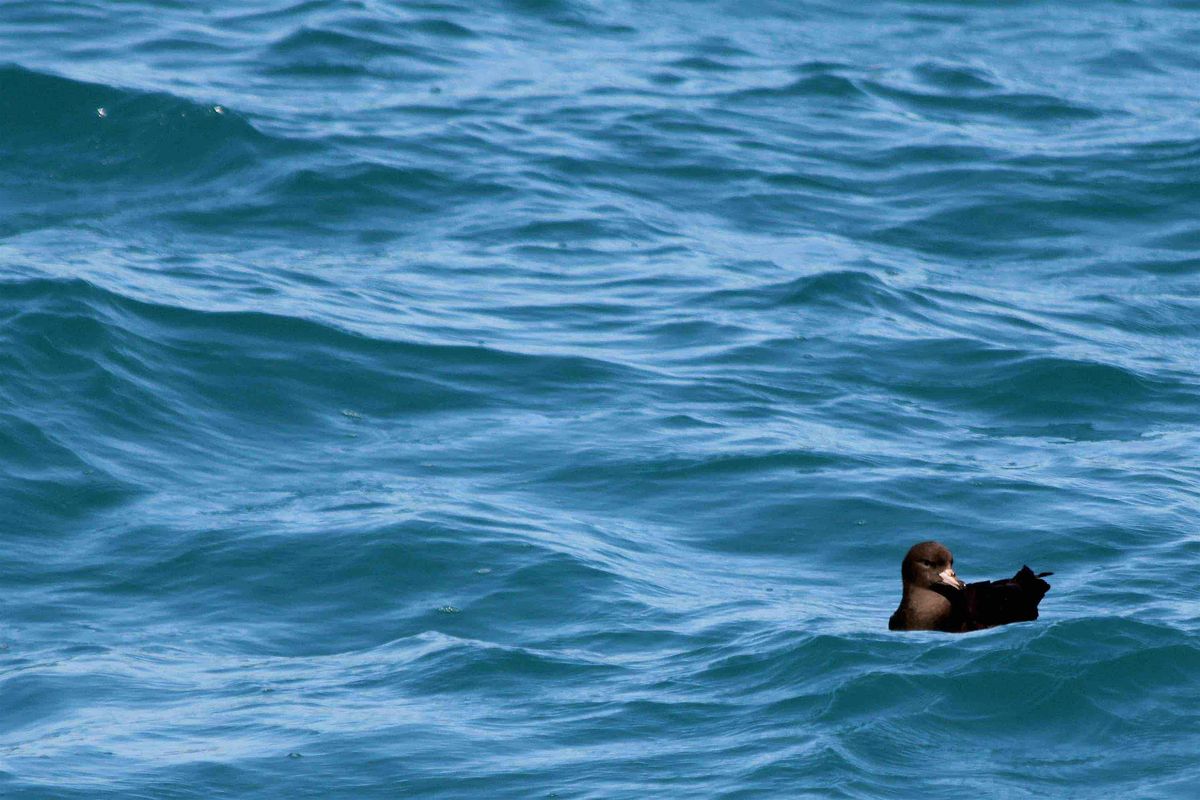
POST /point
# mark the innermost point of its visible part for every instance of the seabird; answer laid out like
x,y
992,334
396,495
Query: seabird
x,y
936,600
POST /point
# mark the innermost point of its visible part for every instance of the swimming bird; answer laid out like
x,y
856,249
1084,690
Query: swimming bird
x,y
936,600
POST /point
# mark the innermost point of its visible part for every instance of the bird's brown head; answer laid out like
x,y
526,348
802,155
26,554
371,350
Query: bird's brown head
x,y
929,564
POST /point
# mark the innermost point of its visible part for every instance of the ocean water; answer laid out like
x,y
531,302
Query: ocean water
x,y
535,399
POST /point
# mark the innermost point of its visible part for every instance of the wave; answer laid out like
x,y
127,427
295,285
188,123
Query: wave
x,y
68,130
841,289
112,157
94,328
1024,107
340,55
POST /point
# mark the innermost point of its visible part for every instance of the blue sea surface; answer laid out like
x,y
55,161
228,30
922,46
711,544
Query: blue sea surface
x,y
535,398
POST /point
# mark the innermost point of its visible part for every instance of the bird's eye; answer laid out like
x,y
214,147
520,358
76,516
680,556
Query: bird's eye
x,y
927,563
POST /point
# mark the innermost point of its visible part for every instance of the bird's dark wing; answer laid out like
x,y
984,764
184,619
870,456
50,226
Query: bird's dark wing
x,y
989,603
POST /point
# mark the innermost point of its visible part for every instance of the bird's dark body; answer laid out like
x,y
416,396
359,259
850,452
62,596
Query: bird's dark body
x,y
934,602
987,604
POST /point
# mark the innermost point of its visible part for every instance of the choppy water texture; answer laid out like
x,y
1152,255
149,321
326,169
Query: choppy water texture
x,y
535,398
